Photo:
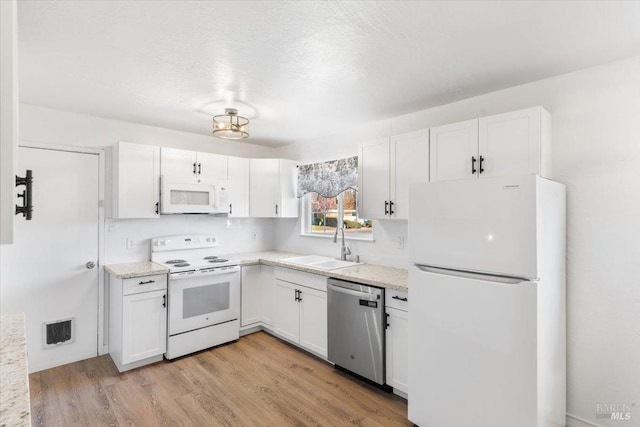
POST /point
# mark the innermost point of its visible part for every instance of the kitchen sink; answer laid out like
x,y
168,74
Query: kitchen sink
x,y
320,262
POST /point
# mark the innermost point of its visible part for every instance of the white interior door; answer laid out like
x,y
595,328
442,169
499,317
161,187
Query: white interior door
x,y
45,272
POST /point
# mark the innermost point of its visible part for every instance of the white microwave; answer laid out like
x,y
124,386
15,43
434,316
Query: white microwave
x,y
178,197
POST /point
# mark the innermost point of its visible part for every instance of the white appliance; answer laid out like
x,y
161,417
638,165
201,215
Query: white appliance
x,y
487,307
177,197
204,293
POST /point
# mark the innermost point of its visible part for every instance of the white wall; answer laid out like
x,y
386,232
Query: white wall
x,y
49,126
233,234
596,154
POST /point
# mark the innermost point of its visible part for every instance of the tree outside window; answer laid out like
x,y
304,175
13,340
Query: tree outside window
x,y
328,213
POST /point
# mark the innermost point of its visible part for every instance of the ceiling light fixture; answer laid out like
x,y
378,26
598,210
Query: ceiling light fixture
x,y
230,125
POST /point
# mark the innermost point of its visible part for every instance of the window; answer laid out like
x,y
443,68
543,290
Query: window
x,y
324,214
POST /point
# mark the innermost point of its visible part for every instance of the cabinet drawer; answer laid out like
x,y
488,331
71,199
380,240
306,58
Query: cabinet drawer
x,y
137,285
396,299
310,280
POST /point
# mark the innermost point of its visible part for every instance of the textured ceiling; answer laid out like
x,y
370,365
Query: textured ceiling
x,y
303,69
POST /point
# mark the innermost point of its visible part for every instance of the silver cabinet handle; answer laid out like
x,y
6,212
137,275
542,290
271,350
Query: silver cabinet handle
x,y
90,265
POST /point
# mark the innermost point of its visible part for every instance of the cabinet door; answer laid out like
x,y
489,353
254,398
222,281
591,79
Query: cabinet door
x,y
409,165
287,316
510,143
179,164
289,202
373,179
264,187
144,326
313,321
238,187
212,167
268,288
452,149
137,181
251,291
397,337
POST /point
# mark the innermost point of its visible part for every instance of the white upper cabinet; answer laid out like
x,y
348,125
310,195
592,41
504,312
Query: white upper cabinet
x,y
373,179
387,168
191,166
136,173
454,151
179,164
212,167
272,188
514,143
409,165
238,187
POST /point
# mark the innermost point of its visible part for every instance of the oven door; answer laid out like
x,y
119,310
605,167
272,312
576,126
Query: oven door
x,y
197,299
179,198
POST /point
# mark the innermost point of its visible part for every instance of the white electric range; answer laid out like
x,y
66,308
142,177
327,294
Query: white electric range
x,y
204,293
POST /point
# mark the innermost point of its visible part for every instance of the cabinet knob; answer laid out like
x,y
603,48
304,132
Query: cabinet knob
x,y
90,265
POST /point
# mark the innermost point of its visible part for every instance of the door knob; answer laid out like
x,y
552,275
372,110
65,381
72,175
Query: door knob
x,y
90,265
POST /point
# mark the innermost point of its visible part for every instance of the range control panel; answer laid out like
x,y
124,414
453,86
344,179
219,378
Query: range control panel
x,y
184,241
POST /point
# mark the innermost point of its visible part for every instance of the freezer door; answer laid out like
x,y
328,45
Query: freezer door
x,y
472,351
486,225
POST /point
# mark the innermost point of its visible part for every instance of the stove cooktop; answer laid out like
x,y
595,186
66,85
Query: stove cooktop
x,y
188,252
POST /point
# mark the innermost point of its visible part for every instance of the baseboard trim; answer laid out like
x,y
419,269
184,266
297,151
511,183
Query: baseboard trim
x,y
576,421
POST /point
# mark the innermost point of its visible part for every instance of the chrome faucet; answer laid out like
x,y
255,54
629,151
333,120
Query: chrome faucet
x,y
344,251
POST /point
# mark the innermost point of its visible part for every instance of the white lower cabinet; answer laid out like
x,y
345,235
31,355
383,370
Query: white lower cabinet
x,y
301,309
250,290
137,320
287,319
397,341
144,317
268,295
257,296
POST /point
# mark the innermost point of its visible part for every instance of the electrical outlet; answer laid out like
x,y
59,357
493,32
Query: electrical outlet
x,y
400,242
254,235
130,242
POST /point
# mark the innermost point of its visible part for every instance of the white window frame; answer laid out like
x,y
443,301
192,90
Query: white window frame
x,y
306,222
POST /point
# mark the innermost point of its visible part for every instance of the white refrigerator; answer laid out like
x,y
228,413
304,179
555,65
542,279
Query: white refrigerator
x,y
487,303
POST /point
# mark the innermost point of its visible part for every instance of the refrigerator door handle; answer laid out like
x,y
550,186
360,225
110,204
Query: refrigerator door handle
x,y
478,276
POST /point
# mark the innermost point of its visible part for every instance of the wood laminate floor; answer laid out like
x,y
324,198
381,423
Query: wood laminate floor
x,y
256,381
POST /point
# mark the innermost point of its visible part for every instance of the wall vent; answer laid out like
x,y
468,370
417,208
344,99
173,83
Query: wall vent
x,y
58,332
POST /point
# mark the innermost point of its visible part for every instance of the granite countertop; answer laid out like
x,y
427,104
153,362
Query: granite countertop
x,y
14,375
368,274
135,269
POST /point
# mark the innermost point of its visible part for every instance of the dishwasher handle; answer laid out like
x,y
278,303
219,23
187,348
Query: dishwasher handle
x,y
361,295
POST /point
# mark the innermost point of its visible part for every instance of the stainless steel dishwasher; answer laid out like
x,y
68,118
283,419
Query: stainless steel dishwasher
x,y
356,329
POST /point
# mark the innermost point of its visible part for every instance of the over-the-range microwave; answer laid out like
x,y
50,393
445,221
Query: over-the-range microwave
x,y
177,197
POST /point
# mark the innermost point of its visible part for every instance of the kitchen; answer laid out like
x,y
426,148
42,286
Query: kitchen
x,y
589,96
